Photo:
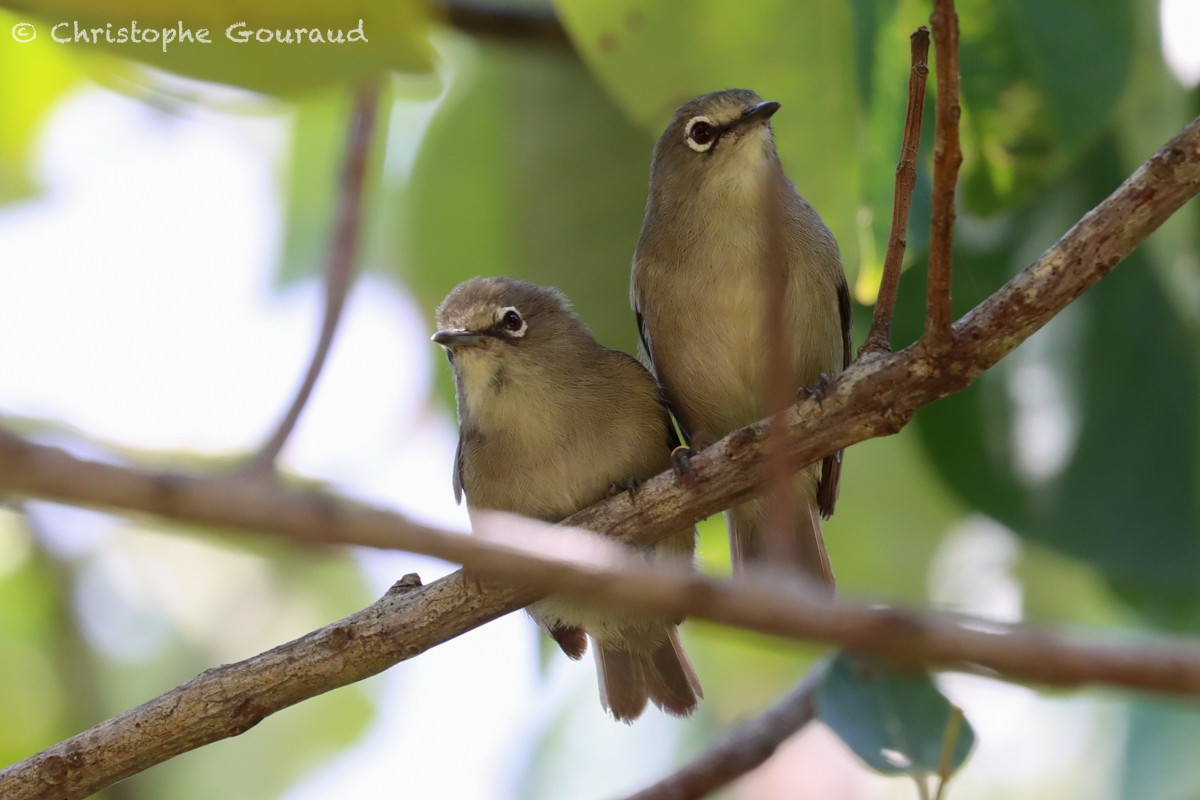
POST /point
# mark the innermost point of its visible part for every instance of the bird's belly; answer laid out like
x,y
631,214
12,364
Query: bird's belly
x,y
716,368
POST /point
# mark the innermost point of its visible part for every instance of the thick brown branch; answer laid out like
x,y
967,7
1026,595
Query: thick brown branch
x,y
880,337
947,156
870,399
343,253
742,748
231,699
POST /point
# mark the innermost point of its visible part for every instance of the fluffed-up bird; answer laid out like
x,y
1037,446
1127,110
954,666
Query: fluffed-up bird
x,y
549,421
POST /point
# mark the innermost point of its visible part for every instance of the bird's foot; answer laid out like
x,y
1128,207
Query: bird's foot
x,y
681,463
819,391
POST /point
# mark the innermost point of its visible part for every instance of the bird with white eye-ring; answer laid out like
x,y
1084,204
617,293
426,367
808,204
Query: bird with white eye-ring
x,y
720,207
550,421
512,321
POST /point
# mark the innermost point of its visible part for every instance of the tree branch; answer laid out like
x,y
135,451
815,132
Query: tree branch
x,y
947,156
742,748
880,337
343,254
876,396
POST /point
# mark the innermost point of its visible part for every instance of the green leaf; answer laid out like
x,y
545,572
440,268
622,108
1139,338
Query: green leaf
x,y
1040,82
653,56
895,720
527,170
247,46
1087,438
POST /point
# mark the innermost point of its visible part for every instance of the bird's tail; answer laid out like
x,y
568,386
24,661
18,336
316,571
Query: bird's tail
x,y
805,548
660,674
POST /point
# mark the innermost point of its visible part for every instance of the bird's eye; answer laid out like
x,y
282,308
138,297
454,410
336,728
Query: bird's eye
x,y
510,320
700,134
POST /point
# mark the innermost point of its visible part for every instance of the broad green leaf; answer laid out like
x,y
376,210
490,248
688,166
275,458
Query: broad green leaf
x,y
895,720
527,170
245,45
1087,438
1040,82
653,56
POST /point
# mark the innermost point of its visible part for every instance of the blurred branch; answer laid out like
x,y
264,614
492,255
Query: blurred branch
x,y
781,543
880,337
947,156
343,254
876,396
521,23
742,748
543,558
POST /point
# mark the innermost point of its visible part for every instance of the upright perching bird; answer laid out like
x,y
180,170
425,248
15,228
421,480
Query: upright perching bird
x,y
549,421
699,292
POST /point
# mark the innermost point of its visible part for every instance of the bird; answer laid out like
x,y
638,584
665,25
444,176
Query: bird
x,y
550,422
698,291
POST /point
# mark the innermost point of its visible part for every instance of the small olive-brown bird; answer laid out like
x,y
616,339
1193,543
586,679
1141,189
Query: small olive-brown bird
x,y
699,293
549,422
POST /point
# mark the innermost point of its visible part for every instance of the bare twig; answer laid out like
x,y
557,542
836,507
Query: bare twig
x,y
880,337
947,156
742,748
343,254
869,399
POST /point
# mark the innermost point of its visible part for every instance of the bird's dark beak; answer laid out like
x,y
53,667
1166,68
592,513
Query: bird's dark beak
x,y
760,112
457,337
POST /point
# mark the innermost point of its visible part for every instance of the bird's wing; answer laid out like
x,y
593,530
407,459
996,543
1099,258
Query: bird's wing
x,y
831,466
458,470
669,408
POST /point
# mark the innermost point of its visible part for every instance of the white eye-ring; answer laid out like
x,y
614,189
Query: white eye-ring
x,y
700,134
510,321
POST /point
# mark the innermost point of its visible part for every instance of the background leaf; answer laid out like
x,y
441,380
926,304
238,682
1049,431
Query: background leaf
x,y
396,34
895,720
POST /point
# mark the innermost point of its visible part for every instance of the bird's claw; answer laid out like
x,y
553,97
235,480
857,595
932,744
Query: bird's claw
x,y
819,391
681,464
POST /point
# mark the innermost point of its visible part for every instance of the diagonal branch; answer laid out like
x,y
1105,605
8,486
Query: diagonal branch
x,y
880,336
343,254
870,399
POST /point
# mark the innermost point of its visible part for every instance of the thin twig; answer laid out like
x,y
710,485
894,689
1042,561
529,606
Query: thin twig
x,y
949,745
343,255
880,337
869,399
947,156
742,748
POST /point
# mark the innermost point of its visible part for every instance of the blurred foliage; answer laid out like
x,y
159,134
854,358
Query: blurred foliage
x,y
257,46
507,156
